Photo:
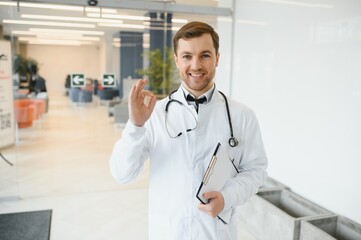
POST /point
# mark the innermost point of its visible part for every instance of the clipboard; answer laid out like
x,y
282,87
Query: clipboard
x,y
219,170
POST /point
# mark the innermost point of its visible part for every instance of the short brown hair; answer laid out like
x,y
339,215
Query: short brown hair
x,y
195,29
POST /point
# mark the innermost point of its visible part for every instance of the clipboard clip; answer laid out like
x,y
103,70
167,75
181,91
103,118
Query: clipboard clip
x,y
209,170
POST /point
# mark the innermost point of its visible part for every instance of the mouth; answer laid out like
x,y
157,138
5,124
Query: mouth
x,y
196,75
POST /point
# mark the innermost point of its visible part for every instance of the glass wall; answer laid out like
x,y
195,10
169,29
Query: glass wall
x,y
81,62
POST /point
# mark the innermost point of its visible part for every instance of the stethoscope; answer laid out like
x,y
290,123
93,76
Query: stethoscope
x,y
232,140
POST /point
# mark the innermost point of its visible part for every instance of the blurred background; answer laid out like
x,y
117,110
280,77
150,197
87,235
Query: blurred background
x,y
296,63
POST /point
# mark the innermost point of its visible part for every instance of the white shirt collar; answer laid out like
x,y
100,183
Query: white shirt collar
x,y
207,94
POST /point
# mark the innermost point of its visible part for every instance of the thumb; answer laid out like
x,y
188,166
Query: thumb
x,y
209,195
152,101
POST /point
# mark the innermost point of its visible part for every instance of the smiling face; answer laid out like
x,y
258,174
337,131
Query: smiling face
x,y
196,59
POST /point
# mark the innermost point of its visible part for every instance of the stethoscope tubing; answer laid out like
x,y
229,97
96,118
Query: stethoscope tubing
x,y
232,140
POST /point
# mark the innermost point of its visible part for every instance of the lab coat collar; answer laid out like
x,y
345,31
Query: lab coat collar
x,y
180,95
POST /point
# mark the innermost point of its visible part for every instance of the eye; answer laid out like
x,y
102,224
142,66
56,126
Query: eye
x,y
186,57
206,56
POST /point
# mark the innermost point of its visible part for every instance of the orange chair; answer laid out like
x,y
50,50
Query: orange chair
x,y
41,107
25,112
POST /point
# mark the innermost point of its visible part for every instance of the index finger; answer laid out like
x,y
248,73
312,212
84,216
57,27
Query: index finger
x,y
140,86
209,195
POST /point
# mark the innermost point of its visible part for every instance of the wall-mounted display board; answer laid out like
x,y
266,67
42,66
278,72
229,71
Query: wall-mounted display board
x,y
7,125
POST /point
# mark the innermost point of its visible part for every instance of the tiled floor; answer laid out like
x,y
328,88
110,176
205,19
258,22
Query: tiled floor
x,y
61,163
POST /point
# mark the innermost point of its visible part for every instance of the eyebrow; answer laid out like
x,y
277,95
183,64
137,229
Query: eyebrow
x,y
203,52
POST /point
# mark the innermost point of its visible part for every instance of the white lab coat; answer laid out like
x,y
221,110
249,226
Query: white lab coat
x,y
177,165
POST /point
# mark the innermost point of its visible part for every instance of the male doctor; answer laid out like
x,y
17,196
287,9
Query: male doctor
x,y
179,135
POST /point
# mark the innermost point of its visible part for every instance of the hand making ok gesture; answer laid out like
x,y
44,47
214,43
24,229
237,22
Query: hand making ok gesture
x,y
141,103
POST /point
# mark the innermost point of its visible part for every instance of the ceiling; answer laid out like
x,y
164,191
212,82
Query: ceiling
x,y
108,17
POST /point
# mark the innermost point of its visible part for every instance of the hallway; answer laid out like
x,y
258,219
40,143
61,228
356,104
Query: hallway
x,y
61,163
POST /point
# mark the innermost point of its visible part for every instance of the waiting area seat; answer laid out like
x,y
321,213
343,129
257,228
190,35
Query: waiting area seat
x,y
80,95
28,110
40,107
108,93
44,97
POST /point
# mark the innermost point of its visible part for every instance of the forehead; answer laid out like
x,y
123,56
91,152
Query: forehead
x,y
197,44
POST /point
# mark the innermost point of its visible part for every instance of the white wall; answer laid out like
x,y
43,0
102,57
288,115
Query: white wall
x,y
57,61
299,68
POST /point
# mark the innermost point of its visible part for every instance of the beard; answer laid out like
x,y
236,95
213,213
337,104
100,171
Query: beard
x,y
198,84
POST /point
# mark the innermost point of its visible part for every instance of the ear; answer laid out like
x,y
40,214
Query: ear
x,y
217,59
175,59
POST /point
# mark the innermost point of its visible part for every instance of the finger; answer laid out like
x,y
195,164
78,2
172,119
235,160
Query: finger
x,y
203,207
138,88
206,208
147,93
209,195
152,102
132,92
144,82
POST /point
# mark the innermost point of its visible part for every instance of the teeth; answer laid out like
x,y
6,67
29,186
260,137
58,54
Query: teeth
x,y
196,75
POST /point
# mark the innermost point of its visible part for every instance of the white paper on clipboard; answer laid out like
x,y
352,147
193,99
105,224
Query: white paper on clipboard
x,y
220,169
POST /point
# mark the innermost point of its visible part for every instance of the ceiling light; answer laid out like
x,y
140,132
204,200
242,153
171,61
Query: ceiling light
x,y
51,41
68,37
92,9
62,18
136,26
59,24
128,17
58,43
58,7
47,30
108,10
52,6
91,39
53,35
8,3
96,15
22,33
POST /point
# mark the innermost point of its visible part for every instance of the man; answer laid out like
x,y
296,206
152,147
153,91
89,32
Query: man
x,y
179,135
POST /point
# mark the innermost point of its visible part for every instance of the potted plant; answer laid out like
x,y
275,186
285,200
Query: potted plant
x,y
161,71
21,74
25,72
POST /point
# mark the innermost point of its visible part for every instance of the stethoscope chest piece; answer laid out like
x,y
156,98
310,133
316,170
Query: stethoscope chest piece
x,y
233,142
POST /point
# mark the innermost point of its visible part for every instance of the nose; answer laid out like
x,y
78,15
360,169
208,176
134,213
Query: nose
x,y
196,63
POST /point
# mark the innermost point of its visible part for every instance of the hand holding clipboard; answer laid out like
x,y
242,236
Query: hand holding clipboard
x,y
219,170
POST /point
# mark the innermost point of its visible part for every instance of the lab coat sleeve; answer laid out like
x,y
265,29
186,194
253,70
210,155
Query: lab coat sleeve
x,y
252,166
129,153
